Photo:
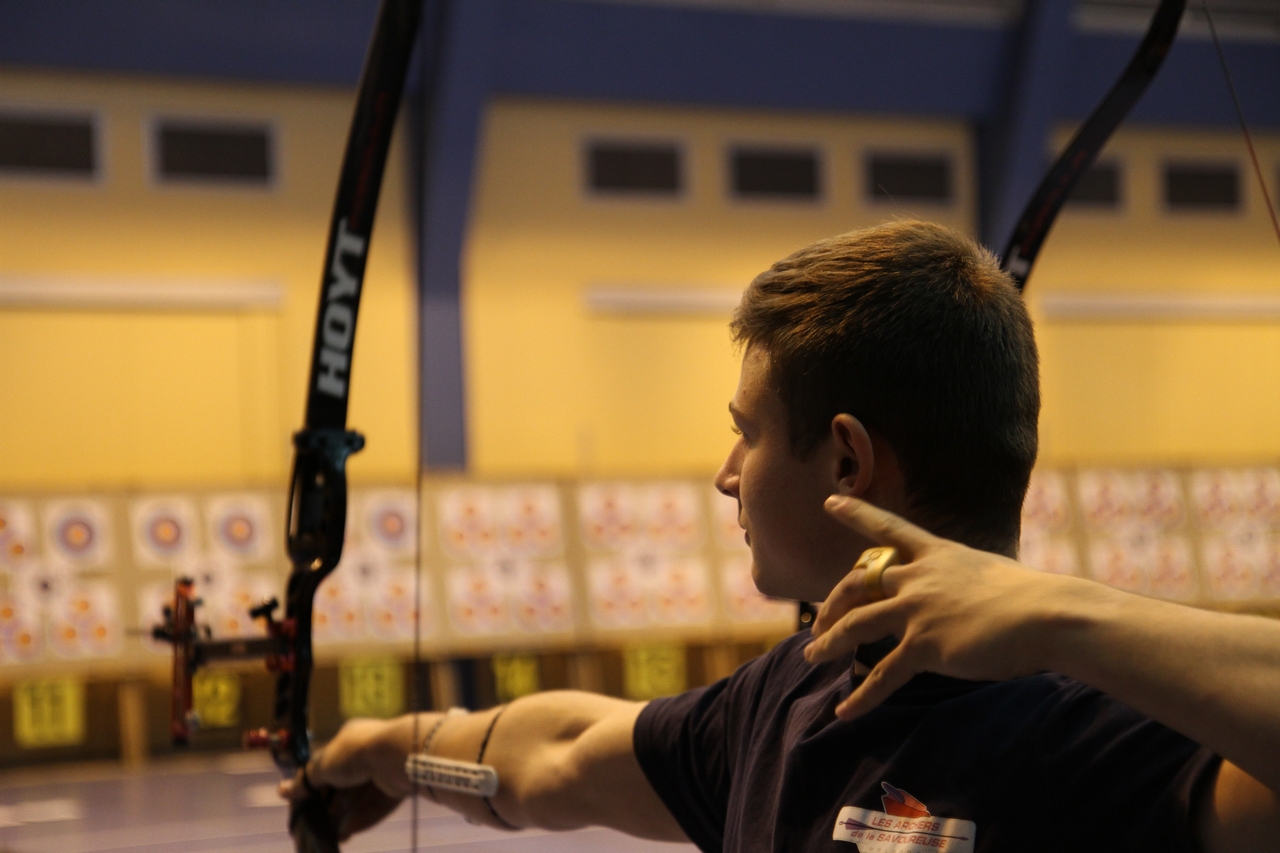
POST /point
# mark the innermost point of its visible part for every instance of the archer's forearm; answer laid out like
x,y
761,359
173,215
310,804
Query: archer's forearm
x,y
564,760
1215,677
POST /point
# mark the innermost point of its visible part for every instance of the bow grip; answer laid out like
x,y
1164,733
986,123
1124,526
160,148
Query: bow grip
x,y
330,815
318,496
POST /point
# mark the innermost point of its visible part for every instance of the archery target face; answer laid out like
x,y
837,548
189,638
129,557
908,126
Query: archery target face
x,y
1145,562
84,621
366,597
608,516
78,533
502,522
389,526
1260,495
1047,507
541,597
22,637
646,590
1215,497
239,527
1172,569
1115,500
1227,498
477,599
338,610
229,617
1055,555
1269,574
389,521
671,519
625,517
510,596
389,608
163,529
468,518
17,534
41,583
530,521
618,594
1235,563
1119,562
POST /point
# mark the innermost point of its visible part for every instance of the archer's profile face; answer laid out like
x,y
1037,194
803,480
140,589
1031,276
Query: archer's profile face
x,y
797,550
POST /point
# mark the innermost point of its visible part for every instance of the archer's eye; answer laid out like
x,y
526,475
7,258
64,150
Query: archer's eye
x,y
735,430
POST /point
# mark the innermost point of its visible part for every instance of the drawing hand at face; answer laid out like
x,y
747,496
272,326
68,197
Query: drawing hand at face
x,y
957,611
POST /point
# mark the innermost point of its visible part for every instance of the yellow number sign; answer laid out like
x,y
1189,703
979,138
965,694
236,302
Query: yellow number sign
x,y
514,676
371,687
653,671
215,695
48,712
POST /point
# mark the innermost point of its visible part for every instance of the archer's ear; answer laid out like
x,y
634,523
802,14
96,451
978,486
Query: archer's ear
x,y
854,457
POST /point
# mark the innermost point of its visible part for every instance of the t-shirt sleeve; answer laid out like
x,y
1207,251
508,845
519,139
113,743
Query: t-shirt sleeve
x,y
682,745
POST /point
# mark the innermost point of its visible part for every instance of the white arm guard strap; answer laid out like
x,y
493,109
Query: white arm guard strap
x,y
464,777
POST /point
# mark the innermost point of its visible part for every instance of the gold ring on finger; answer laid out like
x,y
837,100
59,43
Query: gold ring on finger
x,y
875,561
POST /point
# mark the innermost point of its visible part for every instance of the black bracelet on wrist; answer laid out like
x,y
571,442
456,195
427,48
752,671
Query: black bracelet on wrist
x,y
484,744
426,747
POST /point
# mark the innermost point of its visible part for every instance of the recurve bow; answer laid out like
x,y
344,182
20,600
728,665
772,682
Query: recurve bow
x,y
317,507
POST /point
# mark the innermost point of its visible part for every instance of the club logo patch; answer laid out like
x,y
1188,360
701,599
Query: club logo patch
x,y
905,826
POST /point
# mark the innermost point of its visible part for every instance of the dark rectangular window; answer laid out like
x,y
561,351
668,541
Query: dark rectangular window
x,y
909,177
219,153
634,167
1202,186
1099,186
774,173
51,146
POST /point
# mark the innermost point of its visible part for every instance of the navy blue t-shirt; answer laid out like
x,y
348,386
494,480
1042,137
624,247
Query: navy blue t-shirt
x,y
759,762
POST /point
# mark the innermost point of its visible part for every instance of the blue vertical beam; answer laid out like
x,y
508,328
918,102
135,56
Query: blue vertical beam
x,y
448,148
1014,143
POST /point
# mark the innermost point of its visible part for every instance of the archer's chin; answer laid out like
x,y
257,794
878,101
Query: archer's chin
x,y
767,582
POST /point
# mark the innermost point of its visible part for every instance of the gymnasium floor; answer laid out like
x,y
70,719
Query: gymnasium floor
x,y
228,803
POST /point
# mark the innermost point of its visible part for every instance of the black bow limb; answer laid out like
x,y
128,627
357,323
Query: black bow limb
x,y
1037,218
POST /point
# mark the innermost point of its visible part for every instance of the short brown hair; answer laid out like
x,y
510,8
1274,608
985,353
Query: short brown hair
x,y
913,329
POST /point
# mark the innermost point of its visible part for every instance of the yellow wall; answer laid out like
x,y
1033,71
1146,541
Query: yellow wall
x,y
553,388
1163,391
96,399
142,399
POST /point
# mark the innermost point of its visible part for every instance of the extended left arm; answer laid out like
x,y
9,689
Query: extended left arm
x,y
564,759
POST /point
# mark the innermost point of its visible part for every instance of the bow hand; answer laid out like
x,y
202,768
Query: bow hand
x,y
322,818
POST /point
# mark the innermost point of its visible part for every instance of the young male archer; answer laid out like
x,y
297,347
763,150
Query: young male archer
x,y
888,388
